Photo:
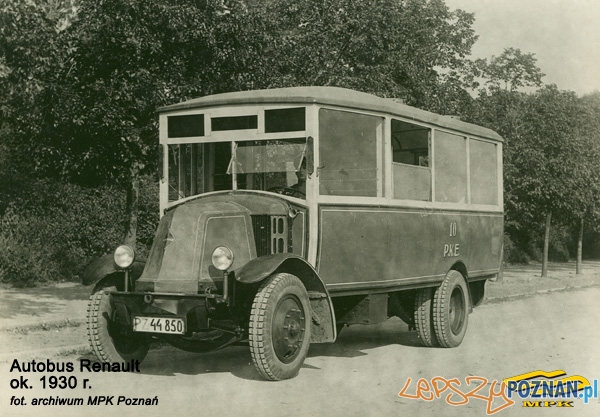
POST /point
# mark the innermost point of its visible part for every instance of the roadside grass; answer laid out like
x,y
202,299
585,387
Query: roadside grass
x,y
57,325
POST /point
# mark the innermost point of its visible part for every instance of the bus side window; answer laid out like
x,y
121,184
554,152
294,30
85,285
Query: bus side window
x,y
483,159
410,161
348,153
450,167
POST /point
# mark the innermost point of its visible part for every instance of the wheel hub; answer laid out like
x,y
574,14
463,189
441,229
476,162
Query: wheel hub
x,y
456,313
288,329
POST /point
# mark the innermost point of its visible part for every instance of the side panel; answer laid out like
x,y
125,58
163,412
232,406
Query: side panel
x,y
365,248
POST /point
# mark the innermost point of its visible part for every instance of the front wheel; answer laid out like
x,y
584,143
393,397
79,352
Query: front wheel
x,y
280,323
451,310
110,340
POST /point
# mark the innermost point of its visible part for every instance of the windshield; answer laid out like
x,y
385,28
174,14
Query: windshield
x,y
271,165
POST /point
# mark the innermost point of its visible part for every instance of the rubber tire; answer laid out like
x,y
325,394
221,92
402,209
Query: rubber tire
x,y
424,317
278,287
104,338
451,317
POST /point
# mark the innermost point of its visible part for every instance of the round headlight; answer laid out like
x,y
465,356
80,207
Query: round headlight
x,y
222,258
124,256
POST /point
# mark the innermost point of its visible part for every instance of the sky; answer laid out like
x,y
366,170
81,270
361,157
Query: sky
x,y
564,35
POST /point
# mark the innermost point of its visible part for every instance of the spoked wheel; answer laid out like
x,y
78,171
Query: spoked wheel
x,y
423,317
451,310
280,323
109,339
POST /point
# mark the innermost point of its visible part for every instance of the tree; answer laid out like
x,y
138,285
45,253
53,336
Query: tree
x,y
96,73
587,192
548,163
546,167
128,58
511,70
31,55
413,49
121,59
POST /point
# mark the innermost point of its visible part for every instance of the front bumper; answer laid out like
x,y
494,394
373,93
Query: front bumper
x,y
196,309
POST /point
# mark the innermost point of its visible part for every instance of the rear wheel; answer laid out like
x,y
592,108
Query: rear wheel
x,y
451,310
280,323
423,317
110,340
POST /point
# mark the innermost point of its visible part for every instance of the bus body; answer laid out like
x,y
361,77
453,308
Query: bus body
x,y
289,213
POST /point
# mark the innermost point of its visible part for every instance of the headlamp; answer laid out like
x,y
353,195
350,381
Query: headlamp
x,y
124,256
222,258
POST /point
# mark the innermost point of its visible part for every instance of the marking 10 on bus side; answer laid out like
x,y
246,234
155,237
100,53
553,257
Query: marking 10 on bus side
x,y
452,249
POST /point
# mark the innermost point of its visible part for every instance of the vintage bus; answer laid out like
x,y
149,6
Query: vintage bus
x,y
289,213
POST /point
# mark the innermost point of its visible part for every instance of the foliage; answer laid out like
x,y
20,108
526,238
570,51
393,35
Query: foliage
x,y
526,246
118,60
588,139
591,244
514,254
80,81
129,58
551,151
32,54
512,70
414,49
50,230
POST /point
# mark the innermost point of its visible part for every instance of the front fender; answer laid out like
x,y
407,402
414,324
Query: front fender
x,y
105,266
323,322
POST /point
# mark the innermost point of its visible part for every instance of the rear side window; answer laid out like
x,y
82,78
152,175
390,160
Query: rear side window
x,y
483,158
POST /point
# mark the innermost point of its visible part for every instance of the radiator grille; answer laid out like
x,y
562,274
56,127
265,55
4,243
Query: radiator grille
x,y
262,234
270,234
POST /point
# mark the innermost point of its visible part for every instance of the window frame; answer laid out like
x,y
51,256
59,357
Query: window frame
x,y
390,146
379,145
385,191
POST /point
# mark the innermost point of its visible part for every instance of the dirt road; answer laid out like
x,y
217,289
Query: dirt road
x,y
360,375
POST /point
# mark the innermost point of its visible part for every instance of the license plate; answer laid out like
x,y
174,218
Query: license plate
x,y
169,325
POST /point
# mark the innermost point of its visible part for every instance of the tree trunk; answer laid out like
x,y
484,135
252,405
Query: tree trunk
x,y
578,266
131,211
546,244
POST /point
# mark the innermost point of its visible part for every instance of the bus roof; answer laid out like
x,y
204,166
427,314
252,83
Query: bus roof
x,y
335,96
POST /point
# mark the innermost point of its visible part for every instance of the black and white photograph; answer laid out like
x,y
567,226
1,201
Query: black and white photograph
x,y
299,208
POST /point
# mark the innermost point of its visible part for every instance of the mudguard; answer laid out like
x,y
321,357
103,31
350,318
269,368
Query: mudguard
x,y
461,267
323,321
105,266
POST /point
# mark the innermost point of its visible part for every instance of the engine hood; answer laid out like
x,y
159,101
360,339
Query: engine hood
x,y
180,259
